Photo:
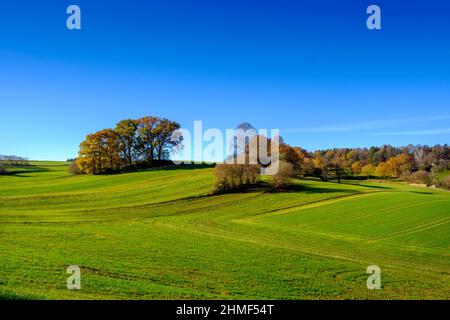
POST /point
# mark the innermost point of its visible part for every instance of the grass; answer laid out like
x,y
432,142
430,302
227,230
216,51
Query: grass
x,y
159,235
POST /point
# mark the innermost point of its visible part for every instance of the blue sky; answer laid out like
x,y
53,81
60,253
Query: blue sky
x,y
308,67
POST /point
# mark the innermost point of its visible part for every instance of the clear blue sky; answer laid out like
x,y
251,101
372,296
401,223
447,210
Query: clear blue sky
x,y
308,67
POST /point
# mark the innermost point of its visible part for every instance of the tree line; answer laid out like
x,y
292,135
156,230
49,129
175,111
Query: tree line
x,y
414,163
7,161
142,142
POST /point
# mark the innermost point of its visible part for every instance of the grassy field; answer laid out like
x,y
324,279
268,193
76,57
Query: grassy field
x,y
158,235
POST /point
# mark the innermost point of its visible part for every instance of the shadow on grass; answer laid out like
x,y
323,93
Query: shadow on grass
x,y
369,186
23,170
304,188
160,168
422,192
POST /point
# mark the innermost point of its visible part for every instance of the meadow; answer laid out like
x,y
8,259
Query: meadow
x,y
160,234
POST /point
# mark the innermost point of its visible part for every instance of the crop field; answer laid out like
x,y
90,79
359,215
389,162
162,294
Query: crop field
x,y
160,234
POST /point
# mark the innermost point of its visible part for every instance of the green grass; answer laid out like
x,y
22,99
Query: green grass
x,y
160,235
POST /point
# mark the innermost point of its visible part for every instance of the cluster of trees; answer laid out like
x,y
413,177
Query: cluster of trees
x,y
6,161
411,163
239,175
231,177
414,164
133,142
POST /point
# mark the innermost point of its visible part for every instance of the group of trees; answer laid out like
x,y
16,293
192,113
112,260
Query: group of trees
x,y
238,175
6,161
411,163
415,164
149,140
132,142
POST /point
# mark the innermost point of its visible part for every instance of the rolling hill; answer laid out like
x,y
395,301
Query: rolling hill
x,y
159,234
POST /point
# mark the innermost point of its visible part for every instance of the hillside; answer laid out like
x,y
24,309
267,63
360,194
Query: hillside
x,y
160,235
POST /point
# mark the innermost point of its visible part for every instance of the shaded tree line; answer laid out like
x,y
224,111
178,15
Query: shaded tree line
x,y
411,163
143,142
7,161
415,164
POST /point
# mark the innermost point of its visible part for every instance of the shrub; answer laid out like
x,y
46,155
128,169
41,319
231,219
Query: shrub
x,y
406,176
281,179
445,183
420,177
231,177
74,168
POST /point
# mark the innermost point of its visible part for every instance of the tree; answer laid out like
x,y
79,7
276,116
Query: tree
x,y
357,167
231,177
382,170
128,140
445,183
368,170
420,177
165,140
291,155
336,162
89,158
399,164
74,168
286,170
307,167
147,137
99,152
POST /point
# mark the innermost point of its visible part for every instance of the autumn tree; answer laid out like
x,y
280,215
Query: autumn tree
x,y
165,139
357,167
399,164
336,161
383,170
291,155
99,153
147,137
368,170
128,140
286,171
231,177
420,177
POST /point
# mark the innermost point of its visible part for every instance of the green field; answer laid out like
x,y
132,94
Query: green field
x,y
159,235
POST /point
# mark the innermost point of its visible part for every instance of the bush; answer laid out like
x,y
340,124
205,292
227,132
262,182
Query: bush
x,y
445,183
281,179
231,177
420,177
74,168
406,176
2,168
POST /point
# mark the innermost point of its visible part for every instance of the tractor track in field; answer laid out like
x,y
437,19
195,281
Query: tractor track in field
x,y
418,228
317,252
187,211
312,204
